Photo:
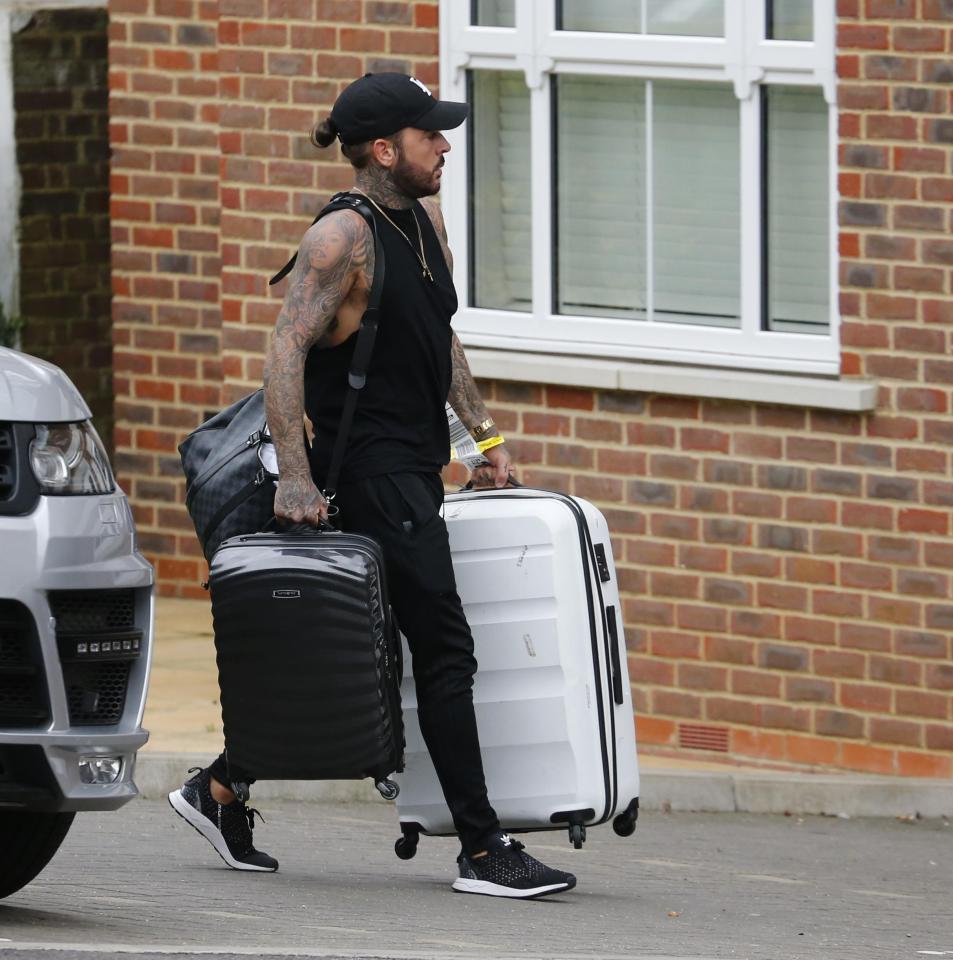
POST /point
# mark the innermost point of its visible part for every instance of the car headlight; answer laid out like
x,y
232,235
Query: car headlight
x,y
68,458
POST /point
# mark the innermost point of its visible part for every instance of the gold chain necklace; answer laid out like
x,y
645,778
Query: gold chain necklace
x,y
421,256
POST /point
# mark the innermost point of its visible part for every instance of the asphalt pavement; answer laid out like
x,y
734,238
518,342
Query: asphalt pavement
x,y
141,882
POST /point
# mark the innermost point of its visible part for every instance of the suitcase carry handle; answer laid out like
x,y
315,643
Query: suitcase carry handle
x,y
617,690
511,482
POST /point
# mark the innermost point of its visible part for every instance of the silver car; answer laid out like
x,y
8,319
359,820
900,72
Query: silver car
x,y
76,620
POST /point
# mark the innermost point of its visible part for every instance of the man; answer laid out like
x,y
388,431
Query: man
x,y
390,488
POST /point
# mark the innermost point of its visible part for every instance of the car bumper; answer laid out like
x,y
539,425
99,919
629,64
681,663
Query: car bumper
x,y
80,600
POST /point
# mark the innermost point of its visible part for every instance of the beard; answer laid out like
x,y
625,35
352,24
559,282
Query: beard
x,y
413,180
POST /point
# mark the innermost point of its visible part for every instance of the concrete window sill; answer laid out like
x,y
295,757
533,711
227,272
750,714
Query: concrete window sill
x,y
771,388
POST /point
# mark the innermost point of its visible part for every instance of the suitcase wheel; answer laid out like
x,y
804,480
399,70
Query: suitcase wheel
x,y
577,835
624,823
406,846
387,789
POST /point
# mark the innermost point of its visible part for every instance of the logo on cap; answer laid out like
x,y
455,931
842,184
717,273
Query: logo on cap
x,y
423,86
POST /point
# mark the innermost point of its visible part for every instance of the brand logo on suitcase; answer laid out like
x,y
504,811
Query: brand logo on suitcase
x,y
286,594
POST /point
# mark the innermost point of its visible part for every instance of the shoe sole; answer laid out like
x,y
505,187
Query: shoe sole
x,y
487,889
204,826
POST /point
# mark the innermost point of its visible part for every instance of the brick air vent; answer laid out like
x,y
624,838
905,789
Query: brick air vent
x,y
696,736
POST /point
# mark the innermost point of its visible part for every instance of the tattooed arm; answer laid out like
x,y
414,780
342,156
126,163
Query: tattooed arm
x,y
464,396
469,407
330,281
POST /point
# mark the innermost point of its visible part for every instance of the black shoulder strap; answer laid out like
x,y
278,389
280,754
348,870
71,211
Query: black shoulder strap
x,y
340,201
366,335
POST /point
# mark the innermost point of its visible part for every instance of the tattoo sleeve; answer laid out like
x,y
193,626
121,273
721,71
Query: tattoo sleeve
x,y
335,254
464,396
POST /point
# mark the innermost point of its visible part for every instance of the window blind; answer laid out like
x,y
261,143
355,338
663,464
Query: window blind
x,y
493,13
605,216
600,196
697,202
686,18
501,220
798,210
790,19
698,18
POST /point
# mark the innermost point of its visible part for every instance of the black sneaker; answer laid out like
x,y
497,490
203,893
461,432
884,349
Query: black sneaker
x,y
506,871
227,827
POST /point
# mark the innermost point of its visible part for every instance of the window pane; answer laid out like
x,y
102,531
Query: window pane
x,y
500,216
492,13
790,19
798,214
696,204
686,18
608,16
696,18
600,196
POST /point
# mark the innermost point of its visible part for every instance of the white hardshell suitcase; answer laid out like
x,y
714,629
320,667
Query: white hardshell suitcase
x,y
534,570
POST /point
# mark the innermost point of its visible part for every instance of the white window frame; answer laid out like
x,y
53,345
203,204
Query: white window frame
x,y
743,58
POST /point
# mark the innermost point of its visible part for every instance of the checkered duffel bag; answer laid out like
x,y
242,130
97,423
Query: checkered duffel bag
x,y
230,491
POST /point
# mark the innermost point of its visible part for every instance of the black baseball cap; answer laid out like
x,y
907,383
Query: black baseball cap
x,y
380,104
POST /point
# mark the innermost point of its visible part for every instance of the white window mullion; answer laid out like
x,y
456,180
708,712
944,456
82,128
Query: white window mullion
x,y
824,65
834,293
540,19
541,139
752,26
751,214
649,202
455,184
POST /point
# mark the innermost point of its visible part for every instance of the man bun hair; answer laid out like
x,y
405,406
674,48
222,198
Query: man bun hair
x,y
323,134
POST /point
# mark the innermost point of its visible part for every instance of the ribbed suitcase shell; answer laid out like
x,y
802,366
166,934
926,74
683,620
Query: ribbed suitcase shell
x,y
552,696
308,660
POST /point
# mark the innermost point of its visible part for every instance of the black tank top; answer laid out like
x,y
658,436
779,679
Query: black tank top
x,y
400,423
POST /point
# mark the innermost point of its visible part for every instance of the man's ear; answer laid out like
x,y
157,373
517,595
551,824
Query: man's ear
x,y
385,152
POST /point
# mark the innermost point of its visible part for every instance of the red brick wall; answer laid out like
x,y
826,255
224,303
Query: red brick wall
x,y
214,182
786,573
60,101
166,265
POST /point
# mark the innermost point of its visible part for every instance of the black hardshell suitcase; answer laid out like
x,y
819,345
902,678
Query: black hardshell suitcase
x,y
308,658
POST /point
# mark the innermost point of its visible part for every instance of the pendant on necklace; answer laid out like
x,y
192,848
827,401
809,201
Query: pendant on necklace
x,y
428,275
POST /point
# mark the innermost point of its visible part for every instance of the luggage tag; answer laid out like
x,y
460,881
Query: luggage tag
x,y
463,448
267,455
268,458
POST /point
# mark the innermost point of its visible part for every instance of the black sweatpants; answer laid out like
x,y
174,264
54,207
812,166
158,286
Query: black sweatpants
x,y
401,512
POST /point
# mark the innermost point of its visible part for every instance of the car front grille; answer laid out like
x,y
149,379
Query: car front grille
x,y
19,491
93,611
98,641
23,696
8,462
96,692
